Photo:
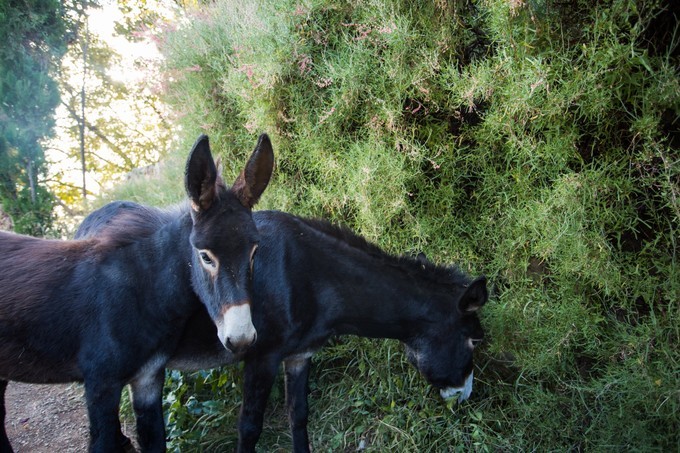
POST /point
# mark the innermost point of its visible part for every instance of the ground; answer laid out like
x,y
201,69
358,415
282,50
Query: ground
x,y
47,418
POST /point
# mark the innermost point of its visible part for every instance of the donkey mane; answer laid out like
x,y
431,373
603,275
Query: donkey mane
x,y
422,269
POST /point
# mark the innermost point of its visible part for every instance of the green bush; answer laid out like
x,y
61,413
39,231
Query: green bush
x,y
535,142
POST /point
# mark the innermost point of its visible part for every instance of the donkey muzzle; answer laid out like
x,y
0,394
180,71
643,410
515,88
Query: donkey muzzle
x,y
463,392
235,328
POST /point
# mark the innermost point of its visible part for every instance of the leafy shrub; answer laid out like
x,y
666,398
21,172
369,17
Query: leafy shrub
x,y
535,142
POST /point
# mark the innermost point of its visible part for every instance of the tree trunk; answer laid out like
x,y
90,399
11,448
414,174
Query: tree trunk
x,y
82,107
31,179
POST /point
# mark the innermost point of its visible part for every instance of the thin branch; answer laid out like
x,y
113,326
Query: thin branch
x,y
66,207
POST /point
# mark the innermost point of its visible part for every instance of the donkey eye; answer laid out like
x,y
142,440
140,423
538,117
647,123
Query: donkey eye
x,y
206,258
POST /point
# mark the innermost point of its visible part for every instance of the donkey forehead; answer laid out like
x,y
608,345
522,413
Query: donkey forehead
x,y
231,223
452,330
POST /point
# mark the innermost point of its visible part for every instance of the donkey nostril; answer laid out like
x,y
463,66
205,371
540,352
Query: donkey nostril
x,y
231,346
254,339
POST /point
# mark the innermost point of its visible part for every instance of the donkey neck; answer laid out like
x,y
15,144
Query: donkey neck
x,y
164,255
383,301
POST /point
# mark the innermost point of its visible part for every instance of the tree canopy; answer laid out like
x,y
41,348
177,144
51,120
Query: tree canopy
x,y
64,87
111,120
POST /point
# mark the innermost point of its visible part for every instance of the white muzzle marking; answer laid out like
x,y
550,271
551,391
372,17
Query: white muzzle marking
x,y
463,392
236,326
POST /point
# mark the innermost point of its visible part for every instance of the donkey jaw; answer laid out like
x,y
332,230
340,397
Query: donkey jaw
x,y
463,392
235,328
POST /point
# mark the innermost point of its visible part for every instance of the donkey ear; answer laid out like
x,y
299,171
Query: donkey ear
x,y
254,178
475,296
200,175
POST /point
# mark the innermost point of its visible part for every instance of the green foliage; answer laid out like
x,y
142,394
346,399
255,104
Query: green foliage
x,y
33,37
535,142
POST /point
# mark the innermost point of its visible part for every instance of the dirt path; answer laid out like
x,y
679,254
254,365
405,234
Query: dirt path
x,y
47,418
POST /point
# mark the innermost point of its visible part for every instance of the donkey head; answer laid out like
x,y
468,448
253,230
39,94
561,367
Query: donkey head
x,y
443,354
224,238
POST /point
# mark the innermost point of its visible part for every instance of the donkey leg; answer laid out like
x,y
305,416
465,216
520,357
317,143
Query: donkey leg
x,y
103,401
124,442
147,392
258,379
297,389
5,446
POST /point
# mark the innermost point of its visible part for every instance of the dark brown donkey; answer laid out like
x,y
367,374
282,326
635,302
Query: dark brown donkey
x,y
109,310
